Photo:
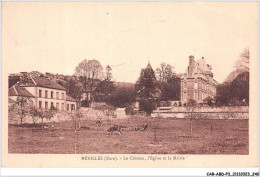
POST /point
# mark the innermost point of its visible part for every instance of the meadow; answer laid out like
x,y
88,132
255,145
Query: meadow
x,y
163,136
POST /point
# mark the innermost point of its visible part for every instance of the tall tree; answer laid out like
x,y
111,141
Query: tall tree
x,y
170,89
164,72
74,89
108,76
82,71
90,71
148,92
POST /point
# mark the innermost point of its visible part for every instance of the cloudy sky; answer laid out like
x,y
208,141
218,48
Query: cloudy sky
x,y
56,36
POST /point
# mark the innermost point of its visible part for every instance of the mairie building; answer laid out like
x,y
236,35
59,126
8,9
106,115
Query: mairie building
x,y
43,93
197,82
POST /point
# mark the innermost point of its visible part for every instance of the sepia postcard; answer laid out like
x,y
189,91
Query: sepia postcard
x,y
129,84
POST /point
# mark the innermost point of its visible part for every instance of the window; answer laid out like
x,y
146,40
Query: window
x,y
57,95
46,94
62,106
52,105
72,106
196,85
68,107
58,106
46,105
51,94
40,104
40,93
62,96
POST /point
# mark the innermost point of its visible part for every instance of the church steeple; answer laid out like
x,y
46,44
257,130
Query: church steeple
x,y
149,65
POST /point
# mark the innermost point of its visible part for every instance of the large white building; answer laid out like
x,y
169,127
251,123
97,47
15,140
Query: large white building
x,y
43,93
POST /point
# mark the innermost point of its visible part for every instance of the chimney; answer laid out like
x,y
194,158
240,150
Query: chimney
x,y
191,63
191,58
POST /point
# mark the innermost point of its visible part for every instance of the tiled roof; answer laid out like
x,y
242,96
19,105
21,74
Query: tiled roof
x,y
19,91
68,98
45,82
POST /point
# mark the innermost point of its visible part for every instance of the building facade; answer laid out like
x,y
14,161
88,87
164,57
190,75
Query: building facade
x,y
43,93
197,82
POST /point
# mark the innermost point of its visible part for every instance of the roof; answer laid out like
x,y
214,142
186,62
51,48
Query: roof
x,y
10,100
19,91
68,98
45,82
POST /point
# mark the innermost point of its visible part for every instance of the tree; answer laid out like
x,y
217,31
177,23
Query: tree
x,y
191,106
235,92
148,92
46,114
164,72
121,97
243,61
104,90
108,76
34,113
105,87
21,107
90,71
170,89
75,90
76,117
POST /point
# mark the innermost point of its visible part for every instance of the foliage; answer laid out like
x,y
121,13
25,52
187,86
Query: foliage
x,y
121,97
21,107
148,92
170,89
75,90
104,90
234,93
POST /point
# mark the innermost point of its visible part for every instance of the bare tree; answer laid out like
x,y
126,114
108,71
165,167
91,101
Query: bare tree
x,y
90,70
164,72
108,76
21,107
76,117
82,70
191,107
243,61
34,113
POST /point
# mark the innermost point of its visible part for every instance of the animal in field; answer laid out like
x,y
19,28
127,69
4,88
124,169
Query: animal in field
x,y
115,128
141,128
99,123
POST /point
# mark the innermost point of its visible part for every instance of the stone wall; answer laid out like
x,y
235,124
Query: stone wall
x,y
234,112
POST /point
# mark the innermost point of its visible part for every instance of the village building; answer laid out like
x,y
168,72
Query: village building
x,y
42,93
197,82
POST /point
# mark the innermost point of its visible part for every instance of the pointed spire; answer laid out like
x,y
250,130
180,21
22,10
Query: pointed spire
x,y
149,65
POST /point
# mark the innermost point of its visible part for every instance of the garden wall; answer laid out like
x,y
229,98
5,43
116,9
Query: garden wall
x,y
234,112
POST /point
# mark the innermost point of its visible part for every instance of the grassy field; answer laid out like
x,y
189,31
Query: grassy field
x,y
172,137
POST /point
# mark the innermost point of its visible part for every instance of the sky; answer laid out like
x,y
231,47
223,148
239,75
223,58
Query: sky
x,y
56,36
